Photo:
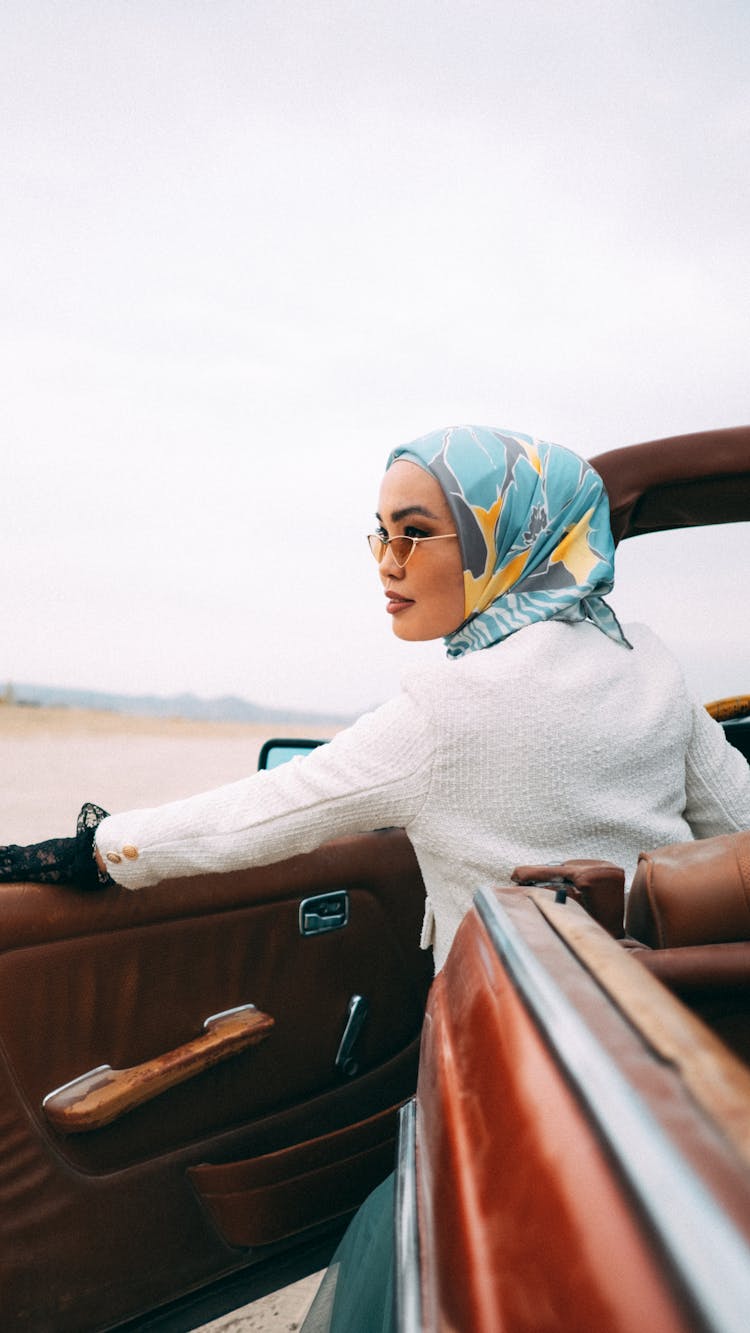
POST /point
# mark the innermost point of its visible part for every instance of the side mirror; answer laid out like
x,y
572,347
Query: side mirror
x,y
280,750
738,734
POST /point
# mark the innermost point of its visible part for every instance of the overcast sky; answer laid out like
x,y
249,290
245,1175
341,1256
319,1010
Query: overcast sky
x,y
249,247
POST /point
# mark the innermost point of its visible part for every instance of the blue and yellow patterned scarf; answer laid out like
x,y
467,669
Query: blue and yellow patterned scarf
x,y
533,524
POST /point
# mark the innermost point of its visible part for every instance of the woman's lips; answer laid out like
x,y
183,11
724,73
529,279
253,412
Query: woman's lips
x,y
397,603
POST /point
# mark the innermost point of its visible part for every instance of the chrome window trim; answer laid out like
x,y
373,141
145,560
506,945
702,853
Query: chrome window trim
x,y
407,1285
709,1256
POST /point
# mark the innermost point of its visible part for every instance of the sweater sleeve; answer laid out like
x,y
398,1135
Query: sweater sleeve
x,y
717,780
375,774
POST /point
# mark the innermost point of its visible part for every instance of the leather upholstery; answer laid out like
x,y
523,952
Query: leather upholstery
x,y
599,887
689,911
713,980
276,1195
700,972
102,1226
692,893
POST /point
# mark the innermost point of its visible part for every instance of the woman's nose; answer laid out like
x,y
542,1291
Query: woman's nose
x,y
389,568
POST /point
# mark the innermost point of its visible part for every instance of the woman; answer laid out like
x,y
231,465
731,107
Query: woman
x,y
545,734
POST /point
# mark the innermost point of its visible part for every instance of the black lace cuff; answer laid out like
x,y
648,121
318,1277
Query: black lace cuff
x,y
59,860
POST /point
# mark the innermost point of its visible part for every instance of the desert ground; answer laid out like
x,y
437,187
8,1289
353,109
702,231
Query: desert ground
x,y
54,759
283,1312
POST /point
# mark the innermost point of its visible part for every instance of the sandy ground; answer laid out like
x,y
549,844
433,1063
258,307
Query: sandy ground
x,y
54,759
282,1312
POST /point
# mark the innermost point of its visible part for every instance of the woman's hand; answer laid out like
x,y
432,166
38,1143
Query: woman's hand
x,y
60,860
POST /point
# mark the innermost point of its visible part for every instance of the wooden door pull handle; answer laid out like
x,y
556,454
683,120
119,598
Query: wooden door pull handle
x,y
98,1097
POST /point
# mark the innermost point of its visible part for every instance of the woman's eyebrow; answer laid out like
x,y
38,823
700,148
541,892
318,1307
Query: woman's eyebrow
x,y
398,514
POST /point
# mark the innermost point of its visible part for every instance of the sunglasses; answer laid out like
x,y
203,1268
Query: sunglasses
x,y
402,548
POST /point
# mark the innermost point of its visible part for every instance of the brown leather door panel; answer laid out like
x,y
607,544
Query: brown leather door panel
x,y
274,1195
101,1225
141,991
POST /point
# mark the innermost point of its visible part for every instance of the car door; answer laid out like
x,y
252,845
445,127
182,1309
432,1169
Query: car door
x,y
578,1158
242,1158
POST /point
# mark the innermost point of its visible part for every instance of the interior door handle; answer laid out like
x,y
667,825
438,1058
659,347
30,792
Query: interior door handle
x,y
103,1094
327,911
356,1014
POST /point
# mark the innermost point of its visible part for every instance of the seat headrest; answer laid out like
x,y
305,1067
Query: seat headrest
x,y
692,893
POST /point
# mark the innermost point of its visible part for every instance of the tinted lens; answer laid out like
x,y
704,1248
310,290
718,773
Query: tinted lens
x,y
401,549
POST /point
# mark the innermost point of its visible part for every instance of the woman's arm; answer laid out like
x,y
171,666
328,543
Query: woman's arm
x,y
717,780
373,775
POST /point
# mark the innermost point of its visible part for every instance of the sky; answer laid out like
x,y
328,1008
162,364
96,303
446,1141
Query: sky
x,y
247,248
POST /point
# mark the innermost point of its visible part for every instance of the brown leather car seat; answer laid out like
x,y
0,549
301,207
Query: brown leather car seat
x,y
689,910
687,921
692,893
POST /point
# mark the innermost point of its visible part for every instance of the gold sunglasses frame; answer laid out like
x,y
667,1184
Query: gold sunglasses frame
x,y
385,542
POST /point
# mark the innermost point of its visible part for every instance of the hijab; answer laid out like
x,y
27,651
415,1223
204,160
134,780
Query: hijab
x,y
533,525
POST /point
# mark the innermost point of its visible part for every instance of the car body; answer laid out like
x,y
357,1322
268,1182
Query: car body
x,y
209,1157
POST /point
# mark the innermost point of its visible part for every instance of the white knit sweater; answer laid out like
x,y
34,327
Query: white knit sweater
x,y
555,743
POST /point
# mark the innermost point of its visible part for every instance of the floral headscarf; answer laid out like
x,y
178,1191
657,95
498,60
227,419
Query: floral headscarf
x,y
533,525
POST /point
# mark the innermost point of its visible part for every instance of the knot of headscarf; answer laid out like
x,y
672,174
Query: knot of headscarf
x,y
533,525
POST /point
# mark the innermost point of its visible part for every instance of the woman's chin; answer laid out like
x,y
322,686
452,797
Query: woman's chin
x,y
419,624
402,630
414,633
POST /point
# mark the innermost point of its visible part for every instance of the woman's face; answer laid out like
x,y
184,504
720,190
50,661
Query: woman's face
x,y
425,598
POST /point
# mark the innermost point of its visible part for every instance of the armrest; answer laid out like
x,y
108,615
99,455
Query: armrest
x,y
705,969
598,886
101,1095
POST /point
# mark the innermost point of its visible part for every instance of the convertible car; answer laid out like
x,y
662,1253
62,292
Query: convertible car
x,y
198,1085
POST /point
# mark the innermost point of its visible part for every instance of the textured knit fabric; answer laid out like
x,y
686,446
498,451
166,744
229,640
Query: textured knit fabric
x,y
555,743
533,524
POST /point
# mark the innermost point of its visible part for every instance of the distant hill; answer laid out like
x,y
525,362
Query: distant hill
x,y
228,708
